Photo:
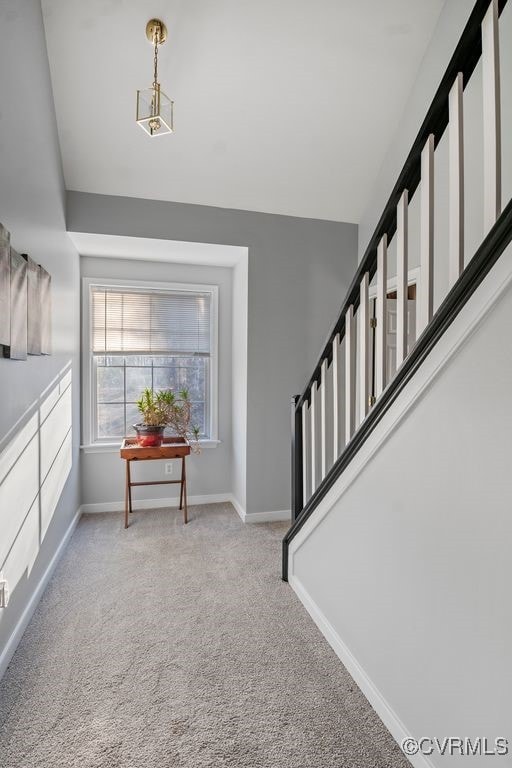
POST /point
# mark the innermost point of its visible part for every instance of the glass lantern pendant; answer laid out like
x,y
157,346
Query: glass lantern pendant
x,y
154,107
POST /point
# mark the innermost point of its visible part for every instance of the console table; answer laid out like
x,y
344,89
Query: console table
x,y
171,448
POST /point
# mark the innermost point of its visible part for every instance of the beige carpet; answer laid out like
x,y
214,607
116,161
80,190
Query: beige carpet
x,y
167,645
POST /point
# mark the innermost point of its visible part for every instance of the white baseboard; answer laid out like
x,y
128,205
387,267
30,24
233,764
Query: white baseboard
x,y
118,506
246,517
260,517
277,515
374,696
12,643
240,510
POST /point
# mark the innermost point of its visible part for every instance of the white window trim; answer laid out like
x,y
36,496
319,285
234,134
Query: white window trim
x,y
88,445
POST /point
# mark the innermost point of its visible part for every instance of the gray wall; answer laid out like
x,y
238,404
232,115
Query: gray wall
x,y
210,472
32,208
299,271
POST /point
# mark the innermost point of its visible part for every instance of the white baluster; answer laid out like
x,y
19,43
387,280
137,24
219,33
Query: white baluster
x,y
364,346
456,181
402,276
312,413
492,116
426,302
305,493
323,440
380,312
350,373
335,395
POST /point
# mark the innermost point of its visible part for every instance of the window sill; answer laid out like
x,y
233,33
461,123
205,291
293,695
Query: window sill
x,y
114,447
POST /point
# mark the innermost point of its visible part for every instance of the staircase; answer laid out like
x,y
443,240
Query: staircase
x,y
401,481
354,367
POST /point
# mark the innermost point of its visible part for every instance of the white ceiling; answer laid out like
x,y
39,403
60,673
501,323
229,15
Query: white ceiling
x,y
146,249
284,106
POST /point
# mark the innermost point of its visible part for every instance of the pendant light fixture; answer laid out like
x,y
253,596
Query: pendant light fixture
x,y
154,108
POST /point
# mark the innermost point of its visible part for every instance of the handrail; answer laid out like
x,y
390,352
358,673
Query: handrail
x,y
481,263
464,60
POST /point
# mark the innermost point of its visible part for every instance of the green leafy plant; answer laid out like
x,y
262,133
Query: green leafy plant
x,y
166,409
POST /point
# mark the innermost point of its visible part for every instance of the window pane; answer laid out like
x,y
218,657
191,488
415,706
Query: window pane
x,y
137,379
110,384
110,421
116,417
193,377
133,416
113,360
166,361
138,360
166,378
198,417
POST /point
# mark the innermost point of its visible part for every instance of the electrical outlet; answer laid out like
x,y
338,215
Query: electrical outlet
x,y
168,467
4,592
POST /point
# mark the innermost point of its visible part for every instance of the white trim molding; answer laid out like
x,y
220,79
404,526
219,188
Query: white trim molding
x,y
374,696
88,401
238,507
274,516
261,517
215,498
115,447
13,641
173,501
413,278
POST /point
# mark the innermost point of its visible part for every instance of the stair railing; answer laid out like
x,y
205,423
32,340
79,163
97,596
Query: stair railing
x,y
316,465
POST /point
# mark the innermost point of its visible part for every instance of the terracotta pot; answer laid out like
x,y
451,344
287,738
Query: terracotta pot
x,y
149,436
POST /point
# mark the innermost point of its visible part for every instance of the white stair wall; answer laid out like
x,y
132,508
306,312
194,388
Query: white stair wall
x,y
406,565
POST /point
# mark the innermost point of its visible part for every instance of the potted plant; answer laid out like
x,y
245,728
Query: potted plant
x,y
164,409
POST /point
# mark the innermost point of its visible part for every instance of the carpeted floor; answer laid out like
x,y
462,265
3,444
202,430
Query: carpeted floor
x,y
171,646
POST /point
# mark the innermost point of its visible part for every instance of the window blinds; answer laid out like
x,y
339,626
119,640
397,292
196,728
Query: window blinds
x,y
149,321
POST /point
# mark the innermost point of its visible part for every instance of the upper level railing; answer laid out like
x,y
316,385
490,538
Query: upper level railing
x,y
359,375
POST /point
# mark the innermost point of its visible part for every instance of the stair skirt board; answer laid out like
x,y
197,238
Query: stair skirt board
x,y
377,701
216,498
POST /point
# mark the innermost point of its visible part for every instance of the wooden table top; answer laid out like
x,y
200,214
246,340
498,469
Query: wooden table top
x,y
171,448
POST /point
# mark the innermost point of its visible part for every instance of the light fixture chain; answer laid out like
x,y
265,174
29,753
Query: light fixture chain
x,y
155,63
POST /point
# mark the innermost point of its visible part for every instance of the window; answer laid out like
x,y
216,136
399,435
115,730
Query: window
x,y
159,337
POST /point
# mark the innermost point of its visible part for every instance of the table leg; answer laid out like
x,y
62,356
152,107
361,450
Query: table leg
x,y
126,493
130,486
181,485
184,490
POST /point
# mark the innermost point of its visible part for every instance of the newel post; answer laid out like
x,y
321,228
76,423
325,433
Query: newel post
x,y
297,469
